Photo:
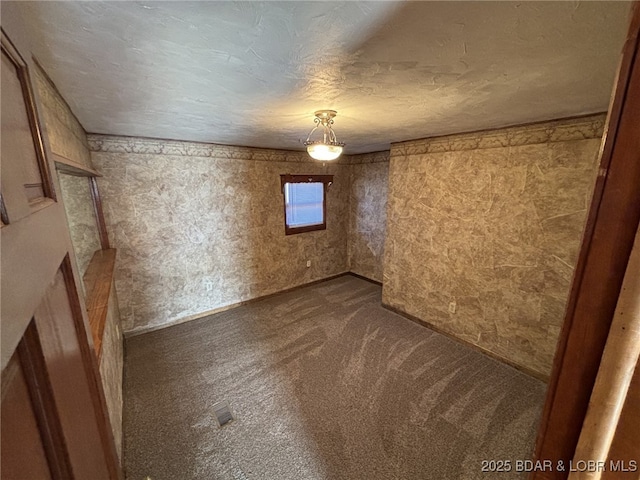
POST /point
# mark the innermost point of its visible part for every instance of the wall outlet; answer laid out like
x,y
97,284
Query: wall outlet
x,y
208,285
308,263
452,306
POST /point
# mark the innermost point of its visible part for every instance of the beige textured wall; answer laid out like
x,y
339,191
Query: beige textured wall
x,y
111,368
66,136
492,221
83,228
367,213
199,227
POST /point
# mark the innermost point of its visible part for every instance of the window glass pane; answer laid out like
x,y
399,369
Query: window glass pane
x,y
304,202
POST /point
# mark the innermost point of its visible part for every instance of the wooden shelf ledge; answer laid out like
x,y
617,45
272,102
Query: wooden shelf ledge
x,y
70,167
97,283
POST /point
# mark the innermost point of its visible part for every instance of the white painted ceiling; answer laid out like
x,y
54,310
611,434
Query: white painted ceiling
x,y
253,73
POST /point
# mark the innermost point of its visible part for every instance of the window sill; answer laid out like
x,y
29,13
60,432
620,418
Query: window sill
x,y
308,228
97,283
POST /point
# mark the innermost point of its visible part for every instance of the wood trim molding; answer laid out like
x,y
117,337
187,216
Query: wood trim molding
x,y
41,393
288,178
362,277
98,280
326,180
615,375
610,230
70,167
143,330
98,210
92,371
32,113
473,346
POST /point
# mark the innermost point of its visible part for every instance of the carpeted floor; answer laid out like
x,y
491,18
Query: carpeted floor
x,y
324,384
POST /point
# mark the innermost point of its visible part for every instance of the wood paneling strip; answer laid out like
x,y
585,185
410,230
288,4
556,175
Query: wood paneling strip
x,y
97,208
73,168
625,448
97,282
92,372
23,453
41,393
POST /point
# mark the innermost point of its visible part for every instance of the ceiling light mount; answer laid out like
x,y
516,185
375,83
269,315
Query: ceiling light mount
x,y
327,148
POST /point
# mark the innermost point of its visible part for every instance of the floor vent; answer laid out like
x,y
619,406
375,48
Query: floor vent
x,y
238,474
223,413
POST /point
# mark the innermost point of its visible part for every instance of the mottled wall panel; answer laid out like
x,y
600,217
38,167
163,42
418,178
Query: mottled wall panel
x,y
76,196
68,139
111,368
199,227
493,222
66,136
367,213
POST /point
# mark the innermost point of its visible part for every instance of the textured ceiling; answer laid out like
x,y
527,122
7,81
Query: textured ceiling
x,y
253,73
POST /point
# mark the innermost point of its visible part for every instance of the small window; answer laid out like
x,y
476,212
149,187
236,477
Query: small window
x,y
304,202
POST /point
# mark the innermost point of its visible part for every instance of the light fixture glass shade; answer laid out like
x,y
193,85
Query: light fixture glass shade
x,y
328,148
322,151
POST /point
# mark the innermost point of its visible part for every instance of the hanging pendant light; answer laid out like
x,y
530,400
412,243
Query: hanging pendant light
x,y
328,147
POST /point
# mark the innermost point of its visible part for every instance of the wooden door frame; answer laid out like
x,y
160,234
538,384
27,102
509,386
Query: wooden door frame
x,y
608,239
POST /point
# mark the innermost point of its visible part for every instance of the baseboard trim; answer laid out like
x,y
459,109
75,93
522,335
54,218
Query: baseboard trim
x,y
362,277
489,353
153,328
397,311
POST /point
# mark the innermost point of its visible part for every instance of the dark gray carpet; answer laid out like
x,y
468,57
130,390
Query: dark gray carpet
x,y
324,384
